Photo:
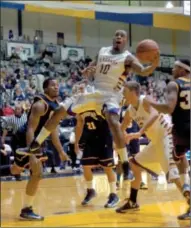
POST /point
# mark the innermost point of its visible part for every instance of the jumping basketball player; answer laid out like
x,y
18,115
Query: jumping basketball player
x,y
178,105
154,157
41,110
109,65
97,147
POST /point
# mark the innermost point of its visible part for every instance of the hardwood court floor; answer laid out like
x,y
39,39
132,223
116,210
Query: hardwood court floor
x,y
59,201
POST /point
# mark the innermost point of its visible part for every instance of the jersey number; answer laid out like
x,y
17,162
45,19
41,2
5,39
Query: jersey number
x,y
104,68
185,104
91,126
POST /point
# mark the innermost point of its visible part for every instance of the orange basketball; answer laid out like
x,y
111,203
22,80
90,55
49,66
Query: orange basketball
x,y
147,50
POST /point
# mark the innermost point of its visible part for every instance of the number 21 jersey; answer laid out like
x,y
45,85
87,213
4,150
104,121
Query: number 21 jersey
x,y
109,70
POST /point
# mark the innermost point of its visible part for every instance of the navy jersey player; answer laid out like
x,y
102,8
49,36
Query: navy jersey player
x,y
94,138
178,105
41,110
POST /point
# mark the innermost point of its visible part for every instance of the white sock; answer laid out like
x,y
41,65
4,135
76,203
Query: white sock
x,y
112,186
28,201
184,179
122,154
90,184
44,133
144,177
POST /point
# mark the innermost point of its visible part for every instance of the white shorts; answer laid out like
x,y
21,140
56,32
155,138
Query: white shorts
x,y
93,101
155,156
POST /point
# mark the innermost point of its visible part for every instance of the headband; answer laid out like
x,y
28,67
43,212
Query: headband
x,y
183,65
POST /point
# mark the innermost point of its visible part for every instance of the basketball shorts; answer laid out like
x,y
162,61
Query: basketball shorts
x,y
181,145
95,100
155,157
22,161
98,152
133,147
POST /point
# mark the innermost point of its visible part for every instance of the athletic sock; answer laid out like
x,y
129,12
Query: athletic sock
x,y
133,195
112,186
185,179
28,201
90,184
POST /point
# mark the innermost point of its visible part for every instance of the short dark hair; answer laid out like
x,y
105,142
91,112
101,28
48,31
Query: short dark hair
x,y
46,82
133,86
185,61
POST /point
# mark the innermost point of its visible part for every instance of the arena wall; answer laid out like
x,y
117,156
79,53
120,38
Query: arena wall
x,y
92,34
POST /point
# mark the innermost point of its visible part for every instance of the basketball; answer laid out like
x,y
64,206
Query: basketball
x,y
147,50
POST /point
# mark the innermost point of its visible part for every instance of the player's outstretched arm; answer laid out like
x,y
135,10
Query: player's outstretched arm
x,y
133,64
172,96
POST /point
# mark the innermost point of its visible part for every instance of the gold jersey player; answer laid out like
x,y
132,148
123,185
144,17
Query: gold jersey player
x,y
178,105
97,146
155,157
109,66
41,110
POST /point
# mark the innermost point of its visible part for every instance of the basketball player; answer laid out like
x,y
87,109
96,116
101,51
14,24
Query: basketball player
x,y
155,156
41,110
97,147
178,105
109,66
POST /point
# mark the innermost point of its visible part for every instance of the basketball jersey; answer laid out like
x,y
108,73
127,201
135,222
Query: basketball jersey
x,y
94,125
181,114
140,116
50,108
109,70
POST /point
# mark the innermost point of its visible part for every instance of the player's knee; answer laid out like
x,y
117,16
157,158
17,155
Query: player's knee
x,y
37,174
112,119
36,169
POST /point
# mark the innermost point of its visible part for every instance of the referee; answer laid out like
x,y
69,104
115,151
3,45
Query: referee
x,y
14,123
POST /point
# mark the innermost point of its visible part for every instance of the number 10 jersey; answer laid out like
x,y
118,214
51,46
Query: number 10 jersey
x,y
109,70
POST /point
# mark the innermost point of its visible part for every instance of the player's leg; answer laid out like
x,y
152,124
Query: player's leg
x,y
147,160
106,160
118,137
182,164
131,203
31,190
88,161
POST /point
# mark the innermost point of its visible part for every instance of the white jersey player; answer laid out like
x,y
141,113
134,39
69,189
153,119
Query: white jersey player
x,y
156,156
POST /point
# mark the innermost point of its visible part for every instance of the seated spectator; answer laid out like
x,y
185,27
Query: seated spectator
x,y
7,110
18,96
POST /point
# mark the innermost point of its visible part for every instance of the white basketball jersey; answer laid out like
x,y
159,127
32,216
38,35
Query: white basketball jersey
x,y
141,116
109,70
